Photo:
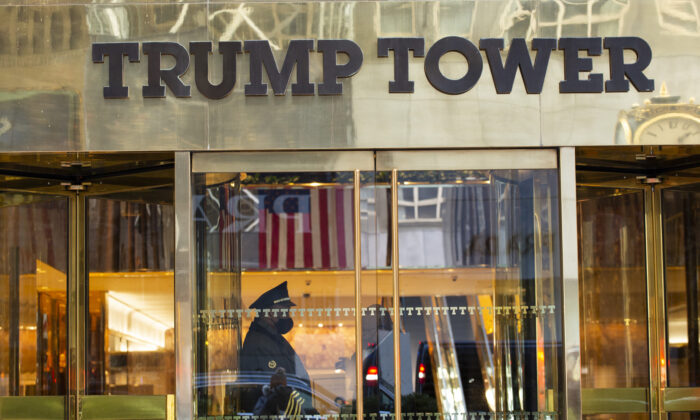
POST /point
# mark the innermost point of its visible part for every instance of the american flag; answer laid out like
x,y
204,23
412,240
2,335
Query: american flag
x,y
305,228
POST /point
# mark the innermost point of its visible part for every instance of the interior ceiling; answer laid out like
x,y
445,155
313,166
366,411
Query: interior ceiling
x,y
126,174
673,165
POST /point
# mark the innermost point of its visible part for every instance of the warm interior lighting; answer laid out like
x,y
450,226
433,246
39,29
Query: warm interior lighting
x,y
142,331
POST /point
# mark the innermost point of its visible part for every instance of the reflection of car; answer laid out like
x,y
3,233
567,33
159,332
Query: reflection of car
x,y
242,390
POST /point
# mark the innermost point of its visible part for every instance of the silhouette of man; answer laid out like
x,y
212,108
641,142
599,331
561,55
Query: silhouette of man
x,y
264,348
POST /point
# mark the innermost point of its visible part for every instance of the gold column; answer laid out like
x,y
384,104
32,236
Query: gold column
x,y
358,297
395,277
77,295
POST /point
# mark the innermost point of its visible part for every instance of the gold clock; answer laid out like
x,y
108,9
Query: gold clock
x,y
663,120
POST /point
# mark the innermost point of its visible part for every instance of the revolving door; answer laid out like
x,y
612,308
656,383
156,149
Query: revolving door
x,y
86,280
639,219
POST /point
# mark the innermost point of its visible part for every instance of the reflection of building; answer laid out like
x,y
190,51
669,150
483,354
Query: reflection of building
x,y
540,252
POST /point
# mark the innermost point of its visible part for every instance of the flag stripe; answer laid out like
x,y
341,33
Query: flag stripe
x,y
315,228
308,246
290,239
349,228
275,234
340,226
323,225
298,240
332,232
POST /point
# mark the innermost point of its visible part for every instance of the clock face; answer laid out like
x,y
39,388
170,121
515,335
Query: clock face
x,y
675,129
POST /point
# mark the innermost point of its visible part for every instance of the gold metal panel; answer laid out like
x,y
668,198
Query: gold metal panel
x,y
33,408
467,159
124,407
681,399
614,400
51,91
282,161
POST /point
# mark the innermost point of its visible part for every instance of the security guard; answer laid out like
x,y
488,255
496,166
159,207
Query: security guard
x,y
264,348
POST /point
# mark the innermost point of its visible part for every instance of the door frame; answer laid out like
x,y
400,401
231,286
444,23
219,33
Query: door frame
x,y
188,164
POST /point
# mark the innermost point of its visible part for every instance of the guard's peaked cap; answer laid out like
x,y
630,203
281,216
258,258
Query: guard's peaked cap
x,y
278,295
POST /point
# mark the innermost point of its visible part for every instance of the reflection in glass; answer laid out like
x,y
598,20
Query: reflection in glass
x,y
612,276
478,254
681,227
130,324
33,267
275,289
618,416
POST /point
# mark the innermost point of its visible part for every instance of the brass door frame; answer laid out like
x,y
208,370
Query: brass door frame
x,y
657,399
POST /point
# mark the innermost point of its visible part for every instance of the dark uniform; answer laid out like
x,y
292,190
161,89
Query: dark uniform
x,y
265,349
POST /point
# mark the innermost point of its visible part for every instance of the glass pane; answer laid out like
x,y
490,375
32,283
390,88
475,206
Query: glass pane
x,y
275,293
377,295
130,320
690,415
681,224
33,268
612,291
480,315
618,416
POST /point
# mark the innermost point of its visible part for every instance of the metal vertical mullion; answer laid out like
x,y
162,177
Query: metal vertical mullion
x,y
570,291
77,305
184,287
655,301
395,278
358,296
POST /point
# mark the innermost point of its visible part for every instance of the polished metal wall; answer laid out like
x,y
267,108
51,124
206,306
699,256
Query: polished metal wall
x,y
51,91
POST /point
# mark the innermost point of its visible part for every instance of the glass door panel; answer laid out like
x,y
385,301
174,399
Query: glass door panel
x,y
275,284
479,279
680,214
129,318
681,223
33,295
612,296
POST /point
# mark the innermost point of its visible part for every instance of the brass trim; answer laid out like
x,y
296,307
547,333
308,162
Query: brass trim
x,y
480,159
313,161
614,400
33,408
570,293
654,293
359,383
184,287
681,399
395,278
125,407
77,290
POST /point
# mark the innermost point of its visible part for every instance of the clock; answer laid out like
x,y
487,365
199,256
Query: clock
x,y
671,128
663,120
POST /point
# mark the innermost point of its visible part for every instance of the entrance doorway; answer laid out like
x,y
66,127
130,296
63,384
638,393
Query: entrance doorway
x,y
441,269
639,239
86,278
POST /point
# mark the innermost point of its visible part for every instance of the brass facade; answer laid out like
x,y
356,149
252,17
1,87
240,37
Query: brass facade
x,y
52,91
